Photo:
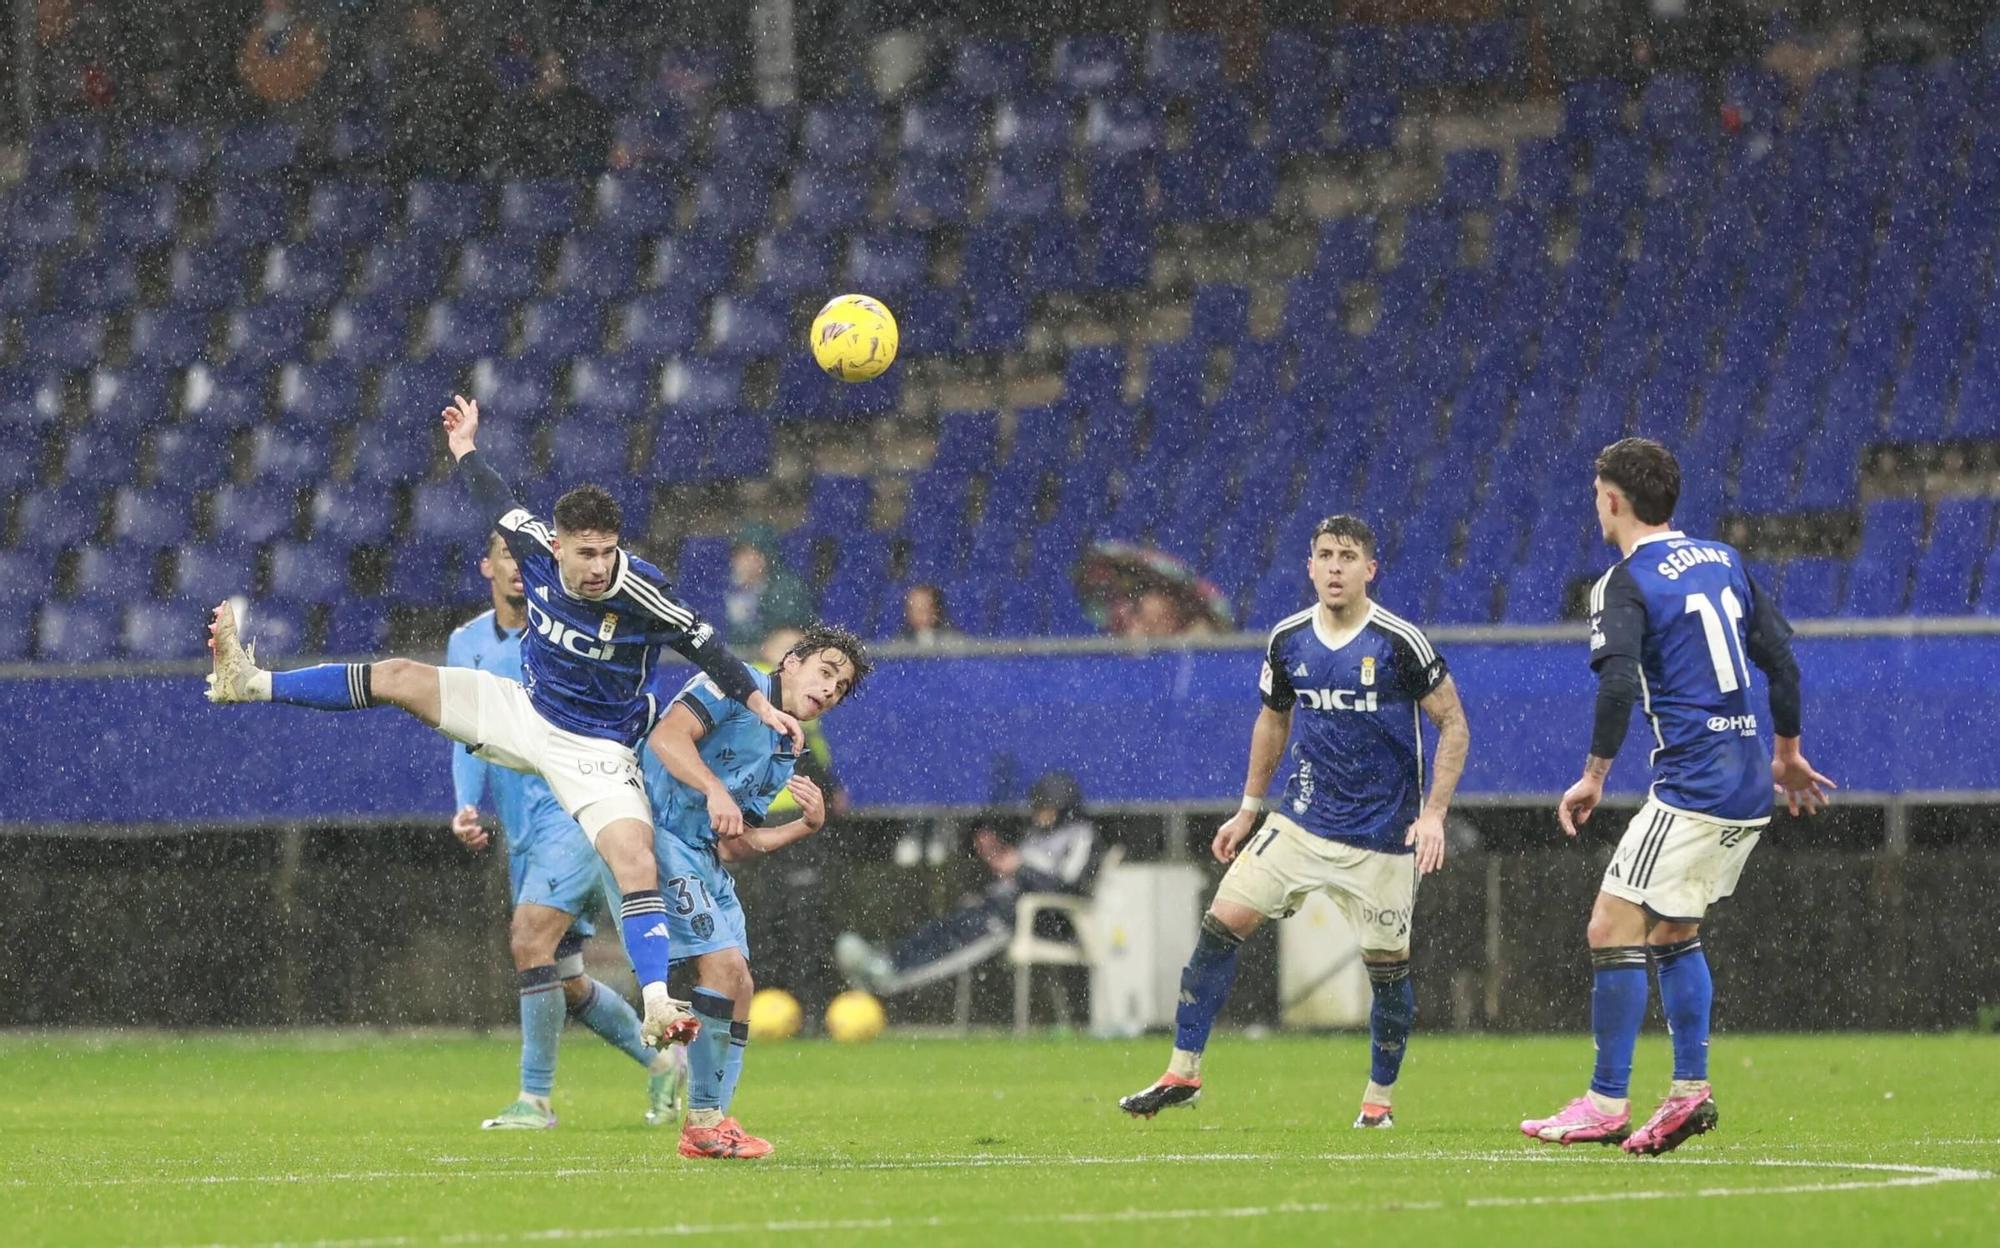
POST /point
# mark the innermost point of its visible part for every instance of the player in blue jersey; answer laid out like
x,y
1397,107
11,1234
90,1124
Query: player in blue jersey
x,y
1674,628
713,772
1354,820
598,618
554,881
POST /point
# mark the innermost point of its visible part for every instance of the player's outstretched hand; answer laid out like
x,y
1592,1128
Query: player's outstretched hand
x,y
1230,836
724,815
812,802
466,827
1427,834
1802,789
779,722
1578,803
461,425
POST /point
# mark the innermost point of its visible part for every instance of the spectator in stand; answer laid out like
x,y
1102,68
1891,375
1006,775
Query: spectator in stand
x,y
925,620
425,70
1155,614
553,129
283,59
764,595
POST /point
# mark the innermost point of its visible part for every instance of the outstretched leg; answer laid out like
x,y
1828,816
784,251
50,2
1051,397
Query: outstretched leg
x,y
1205,984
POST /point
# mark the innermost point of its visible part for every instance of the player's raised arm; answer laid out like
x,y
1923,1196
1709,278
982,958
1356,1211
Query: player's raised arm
x,y
1617,640
1442,707
1768,641
461,426
676,741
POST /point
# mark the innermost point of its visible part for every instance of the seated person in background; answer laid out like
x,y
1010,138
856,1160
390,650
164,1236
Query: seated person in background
x,y
925,620
1059,855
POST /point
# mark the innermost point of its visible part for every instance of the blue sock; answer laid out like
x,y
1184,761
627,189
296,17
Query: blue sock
x,y
643,921
1205,984
1686,991
708,1053
732,1066
613,1018
542,1011
325,687
1389,1022
1617,1007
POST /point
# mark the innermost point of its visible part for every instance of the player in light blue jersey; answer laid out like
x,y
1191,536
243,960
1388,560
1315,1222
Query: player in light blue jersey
x,y
713,771
554,881
1354,821
598,618
1674,628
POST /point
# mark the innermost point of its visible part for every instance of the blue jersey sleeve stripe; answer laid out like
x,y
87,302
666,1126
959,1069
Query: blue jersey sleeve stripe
x,y
522,521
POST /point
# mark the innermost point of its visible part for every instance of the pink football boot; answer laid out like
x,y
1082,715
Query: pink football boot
x,y
1580,1122
1677,1119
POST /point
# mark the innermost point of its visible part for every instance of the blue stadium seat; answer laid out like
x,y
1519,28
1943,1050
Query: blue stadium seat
x,y
887,263
65,147
1471,179
157,516
255,150
699,387
188,458
438,211
137,215
733,201
612,387
161,631
662,324
458,331
1122,126
121,572
596,265
743,326
132,398
17,631
163,151
839,136
793,262
631,203
277,627
289,457
654,137
754,138
306,274
368,330
43,218
499,269
1879,580
347,213
64,341
1958,545
273,331
76,633
538,208
441,513
943,129
357,627
558,329
249,214
987,68
345,516
928,193
1089,64
208,574
1183,65
254,513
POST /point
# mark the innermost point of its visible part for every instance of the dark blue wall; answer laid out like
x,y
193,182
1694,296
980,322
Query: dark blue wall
x,y
1882,715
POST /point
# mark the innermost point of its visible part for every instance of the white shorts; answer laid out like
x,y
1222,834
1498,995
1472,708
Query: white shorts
x,y
1282,863
1678,864
594,780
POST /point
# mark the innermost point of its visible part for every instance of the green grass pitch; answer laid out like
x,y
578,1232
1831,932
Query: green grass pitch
x,y
355,1140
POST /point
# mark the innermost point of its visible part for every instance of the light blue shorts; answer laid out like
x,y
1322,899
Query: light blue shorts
x,y
703,915
558,868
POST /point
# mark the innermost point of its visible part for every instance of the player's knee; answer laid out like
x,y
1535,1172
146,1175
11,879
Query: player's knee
x,y
394,679
728,973
1665,933
576,992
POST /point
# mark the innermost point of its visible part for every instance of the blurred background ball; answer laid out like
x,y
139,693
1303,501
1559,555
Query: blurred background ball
x,y
854,1017
774,1015
854,338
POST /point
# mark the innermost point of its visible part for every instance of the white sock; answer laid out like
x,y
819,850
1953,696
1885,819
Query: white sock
x,y
1377,1094
1184,1064
1687,1087
1609,1104
539,1102
260,685
704,1118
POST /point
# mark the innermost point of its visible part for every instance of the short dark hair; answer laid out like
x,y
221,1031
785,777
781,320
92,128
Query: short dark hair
x,y
818,636
495,536
589,509
1347,528
1644,472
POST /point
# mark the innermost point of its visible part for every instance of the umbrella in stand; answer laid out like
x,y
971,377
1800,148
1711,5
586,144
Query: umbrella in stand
x,y
1113,576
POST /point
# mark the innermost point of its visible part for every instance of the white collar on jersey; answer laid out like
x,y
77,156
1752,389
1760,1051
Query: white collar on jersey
x,y
1335,641
1667,536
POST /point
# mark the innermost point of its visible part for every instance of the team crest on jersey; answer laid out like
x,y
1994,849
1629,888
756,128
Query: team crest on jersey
x,y
704,926
1367,669
609,628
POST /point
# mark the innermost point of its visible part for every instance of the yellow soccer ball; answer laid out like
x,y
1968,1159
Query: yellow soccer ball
x,y
774,1015
854,1017
854,338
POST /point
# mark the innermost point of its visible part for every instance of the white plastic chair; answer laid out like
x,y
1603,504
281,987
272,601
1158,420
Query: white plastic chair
x,y
1028,951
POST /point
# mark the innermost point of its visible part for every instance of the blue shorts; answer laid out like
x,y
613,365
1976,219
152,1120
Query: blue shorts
x,y
703,915
558,868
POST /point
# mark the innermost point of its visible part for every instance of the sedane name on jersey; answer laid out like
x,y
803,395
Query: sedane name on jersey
x,y
1685,557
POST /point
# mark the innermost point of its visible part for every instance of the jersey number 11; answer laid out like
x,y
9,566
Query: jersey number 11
x,y
1725,644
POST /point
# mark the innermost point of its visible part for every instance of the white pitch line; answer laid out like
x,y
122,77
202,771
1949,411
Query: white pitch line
x,y
981,1161
1898,1175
